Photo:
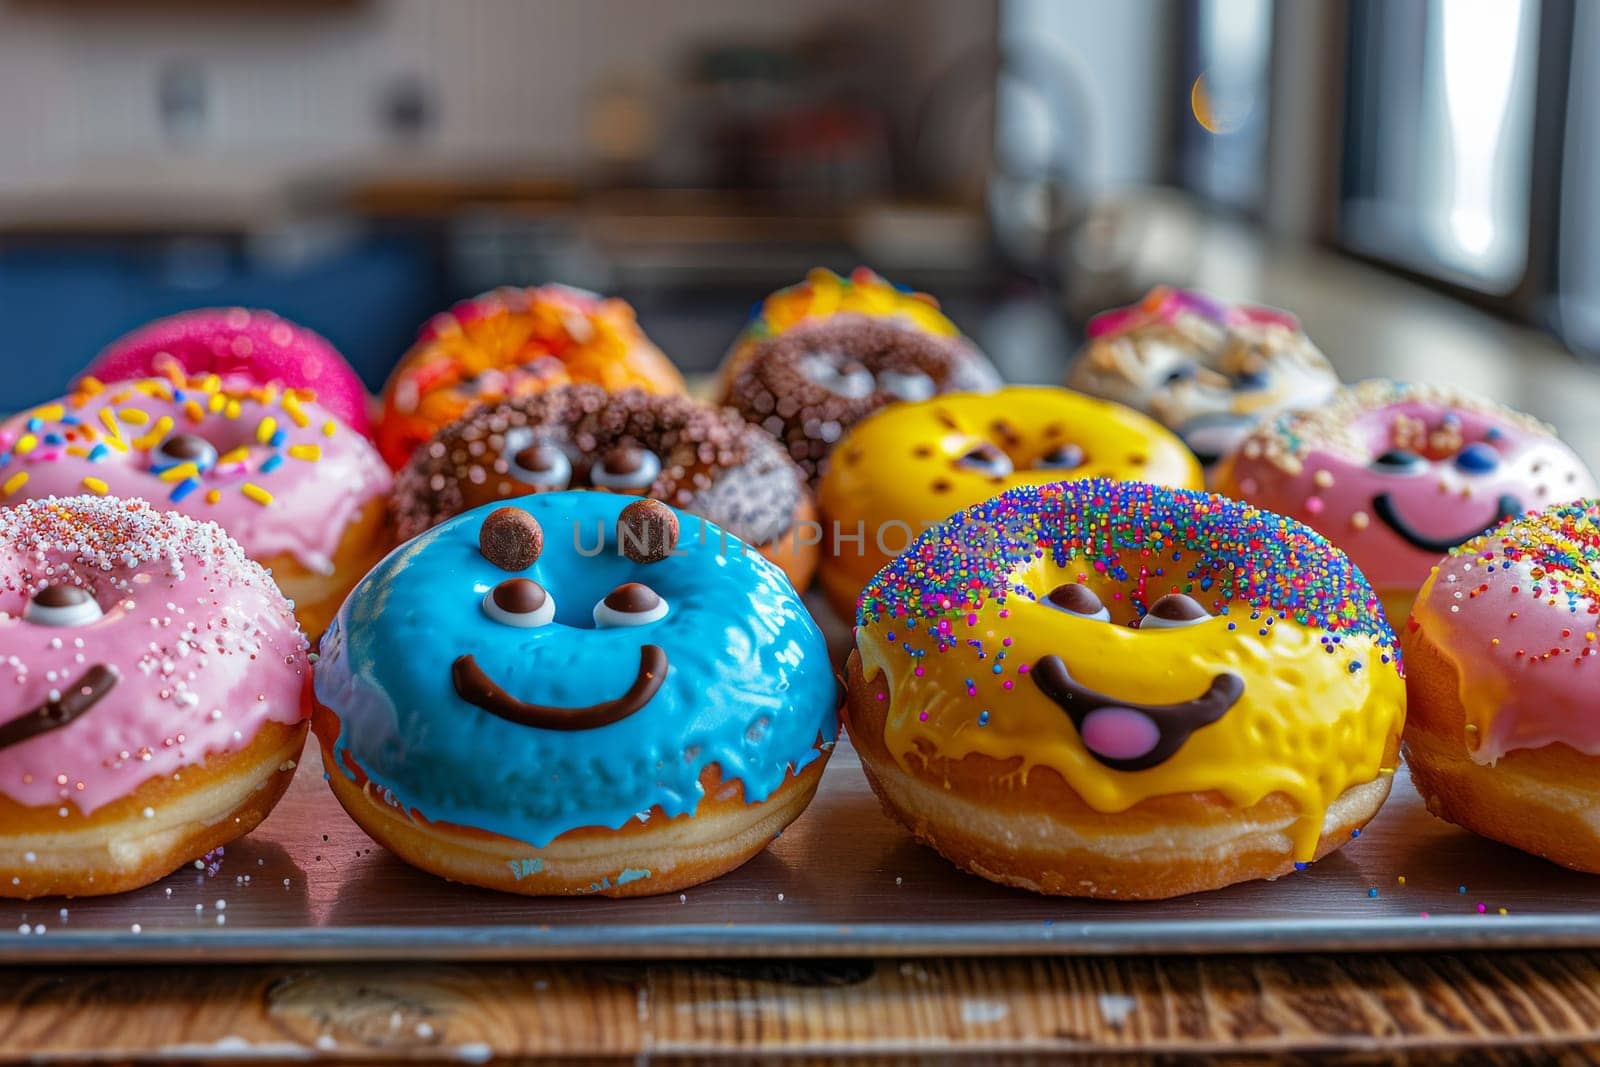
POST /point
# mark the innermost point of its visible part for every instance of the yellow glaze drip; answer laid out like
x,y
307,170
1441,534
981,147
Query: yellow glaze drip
x,y
1307,725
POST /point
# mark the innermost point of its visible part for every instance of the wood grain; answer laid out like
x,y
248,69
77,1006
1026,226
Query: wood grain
x,y
1510,1006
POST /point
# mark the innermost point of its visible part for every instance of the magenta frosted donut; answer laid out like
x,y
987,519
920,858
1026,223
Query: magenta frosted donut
x,y
1397,475
154,697
251,344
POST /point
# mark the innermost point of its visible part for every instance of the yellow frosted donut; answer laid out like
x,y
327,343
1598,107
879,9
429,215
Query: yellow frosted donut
x,y
1113,689
912,464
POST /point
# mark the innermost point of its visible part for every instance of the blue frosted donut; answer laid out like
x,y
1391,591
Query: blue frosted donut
x,y
590,736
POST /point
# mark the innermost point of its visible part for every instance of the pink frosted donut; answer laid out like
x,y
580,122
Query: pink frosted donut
x,y
153,694
302,494
1503,685
1398,474
255,345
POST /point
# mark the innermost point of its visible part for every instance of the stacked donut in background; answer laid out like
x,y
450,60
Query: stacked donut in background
x,y
1073,669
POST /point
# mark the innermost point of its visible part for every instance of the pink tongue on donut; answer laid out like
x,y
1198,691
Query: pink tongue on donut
x,y
1119,733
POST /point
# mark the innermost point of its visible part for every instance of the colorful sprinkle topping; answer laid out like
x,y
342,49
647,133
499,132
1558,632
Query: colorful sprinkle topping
x,y
1250,564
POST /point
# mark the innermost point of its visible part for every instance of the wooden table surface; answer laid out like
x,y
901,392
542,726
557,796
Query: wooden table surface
x,y
1513,1007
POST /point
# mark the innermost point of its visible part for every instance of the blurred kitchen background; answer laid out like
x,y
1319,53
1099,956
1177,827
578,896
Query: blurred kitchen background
x,y
1418,179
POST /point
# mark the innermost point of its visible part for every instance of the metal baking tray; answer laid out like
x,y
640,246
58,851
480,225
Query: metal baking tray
x,y
844,880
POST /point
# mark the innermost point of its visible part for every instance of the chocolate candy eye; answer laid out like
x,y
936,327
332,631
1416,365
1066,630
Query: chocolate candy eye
x,y
183,448
1477,458
1399,461
536,463
907,385
625,467
986,458
1172,611
520,602
842,377
1060,458
629,604
62,605
1075,598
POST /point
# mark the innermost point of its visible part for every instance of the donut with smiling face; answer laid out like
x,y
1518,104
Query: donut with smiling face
x,y
1208,370
822,355
705,460
301,492
912,464
155,699
1117,690
1398,474
514,342
575,693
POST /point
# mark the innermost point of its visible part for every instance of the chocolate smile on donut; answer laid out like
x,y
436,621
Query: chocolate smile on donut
x,y
1132,737
1507,507
477,688
75,700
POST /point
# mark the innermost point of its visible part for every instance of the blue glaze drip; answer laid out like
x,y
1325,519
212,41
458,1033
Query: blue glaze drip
x,y
748,687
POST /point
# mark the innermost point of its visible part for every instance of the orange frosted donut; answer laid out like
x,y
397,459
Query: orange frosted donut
x,y
512,342
156,694
301,492
910,465
1113,689
1503,678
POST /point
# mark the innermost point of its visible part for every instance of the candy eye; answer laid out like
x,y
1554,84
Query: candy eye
x,y
839,376
62,605
536,463
520,602
1173,611
1075,598
629,604
625,467
183,448
907,385
1061,458
1399,461
986,458
1477,458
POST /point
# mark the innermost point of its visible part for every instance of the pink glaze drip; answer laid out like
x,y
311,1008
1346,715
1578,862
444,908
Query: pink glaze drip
x,y
1318,467
256,345
206,647
1517,611
323,476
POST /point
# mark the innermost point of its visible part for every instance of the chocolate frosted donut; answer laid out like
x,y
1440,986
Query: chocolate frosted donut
x,y
809,385
693,456
821,355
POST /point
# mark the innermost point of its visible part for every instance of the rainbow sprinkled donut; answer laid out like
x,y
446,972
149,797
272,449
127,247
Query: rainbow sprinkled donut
x,y
302,493
1118,690
156,694
1207,369
1398,474
513,342
821,355
257,346
526,698
1503,650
